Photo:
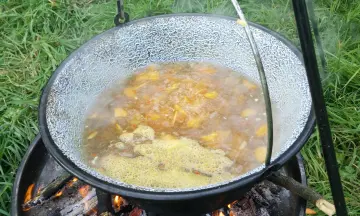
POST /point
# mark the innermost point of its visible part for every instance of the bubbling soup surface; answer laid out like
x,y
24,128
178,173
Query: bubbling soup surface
x,y
177,125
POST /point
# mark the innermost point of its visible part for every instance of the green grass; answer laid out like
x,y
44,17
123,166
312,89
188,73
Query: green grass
x,y
36,35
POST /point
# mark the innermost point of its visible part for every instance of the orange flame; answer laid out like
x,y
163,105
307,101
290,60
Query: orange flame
x,y
231,204
70,183
28,195
59,193
117,203
84,190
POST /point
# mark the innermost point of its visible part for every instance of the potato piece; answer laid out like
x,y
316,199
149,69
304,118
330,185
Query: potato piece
x,y
130,92
119,112
211,95
243,145
127,137
260,154
261,131
210,137
143,133
248,113
249,85
120,145
153,116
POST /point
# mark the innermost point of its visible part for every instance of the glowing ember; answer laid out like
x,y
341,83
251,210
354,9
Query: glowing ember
x,y
136,212
84,190
221,214
70,183
28,195
39,189
229,205
59,193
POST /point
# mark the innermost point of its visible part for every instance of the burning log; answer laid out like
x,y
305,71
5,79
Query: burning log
x,y
47,192
303,191
84,206
245,206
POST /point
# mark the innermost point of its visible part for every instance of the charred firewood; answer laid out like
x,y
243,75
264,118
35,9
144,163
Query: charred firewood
x,y
84,207
304,192
48,191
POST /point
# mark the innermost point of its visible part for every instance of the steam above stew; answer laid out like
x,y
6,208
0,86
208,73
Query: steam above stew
x,y
177,125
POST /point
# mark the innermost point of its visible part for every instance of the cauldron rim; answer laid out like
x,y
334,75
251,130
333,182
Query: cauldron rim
x,y
247,181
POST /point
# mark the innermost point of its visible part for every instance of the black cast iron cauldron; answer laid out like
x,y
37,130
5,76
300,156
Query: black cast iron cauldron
x,y
116,53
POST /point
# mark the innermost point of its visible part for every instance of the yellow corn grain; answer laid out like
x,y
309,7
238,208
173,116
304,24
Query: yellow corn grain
x,y
153,116
178,108
173,87
211,95
261,131
212,137
119,112
194,122
248,112
130,92
241,22
118,127
92,135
